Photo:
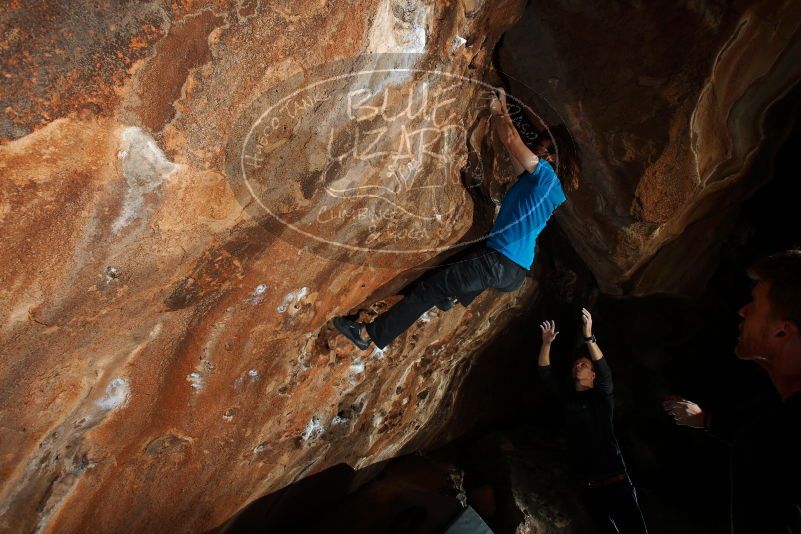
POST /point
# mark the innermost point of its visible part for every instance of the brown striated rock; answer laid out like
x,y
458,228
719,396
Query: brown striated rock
x,y
666,111
166,354
171,256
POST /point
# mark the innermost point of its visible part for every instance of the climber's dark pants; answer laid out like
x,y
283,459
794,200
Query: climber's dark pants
x,y
614,508
464,278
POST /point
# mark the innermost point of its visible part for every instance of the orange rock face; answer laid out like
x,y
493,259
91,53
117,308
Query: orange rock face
x,y
166,354
190,191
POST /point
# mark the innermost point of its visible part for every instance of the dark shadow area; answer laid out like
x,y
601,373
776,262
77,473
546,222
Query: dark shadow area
x,y
407,494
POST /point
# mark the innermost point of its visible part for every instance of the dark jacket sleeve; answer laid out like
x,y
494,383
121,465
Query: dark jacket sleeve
x,y
603,378
722,427
547,379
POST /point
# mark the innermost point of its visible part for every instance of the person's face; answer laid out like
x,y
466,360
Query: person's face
x,y
582,370
543,150
760,330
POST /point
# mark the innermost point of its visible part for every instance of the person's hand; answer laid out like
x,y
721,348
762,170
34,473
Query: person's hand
x,y
495,106
684,412
501,96
586,319
549,331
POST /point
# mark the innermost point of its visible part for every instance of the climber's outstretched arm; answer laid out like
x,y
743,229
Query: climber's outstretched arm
x,y
522,157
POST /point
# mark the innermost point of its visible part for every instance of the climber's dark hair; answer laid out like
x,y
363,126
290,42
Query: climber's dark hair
x,y
782,272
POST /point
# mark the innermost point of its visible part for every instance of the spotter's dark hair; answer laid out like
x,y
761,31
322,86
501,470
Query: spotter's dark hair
x,y
782,272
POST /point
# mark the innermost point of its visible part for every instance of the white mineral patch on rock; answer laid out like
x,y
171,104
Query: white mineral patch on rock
x,y
399,27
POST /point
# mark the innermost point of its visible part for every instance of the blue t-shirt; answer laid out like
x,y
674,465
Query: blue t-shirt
x,y
525,209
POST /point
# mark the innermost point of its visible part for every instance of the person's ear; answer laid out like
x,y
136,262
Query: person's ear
x,y
787,329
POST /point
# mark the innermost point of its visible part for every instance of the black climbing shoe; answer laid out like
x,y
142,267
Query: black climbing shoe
x,y
351,329
447,304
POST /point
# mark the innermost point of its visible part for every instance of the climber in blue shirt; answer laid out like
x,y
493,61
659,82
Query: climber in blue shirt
x,y
501,263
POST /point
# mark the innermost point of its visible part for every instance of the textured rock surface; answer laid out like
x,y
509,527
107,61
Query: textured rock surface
x,y
166,358
666,108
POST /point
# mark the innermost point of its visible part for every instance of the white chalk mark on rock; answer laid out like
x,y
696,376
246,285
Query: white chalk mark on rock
x,y
292,298
426,317
258,294
357,366
378,418
117,394
239,383
196,381
155,331
144,167
338,420
313,429
112,272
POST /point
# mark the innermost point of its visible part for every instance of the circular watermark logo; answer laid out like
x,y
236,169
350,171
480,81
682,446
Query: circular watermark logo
x,y
371,159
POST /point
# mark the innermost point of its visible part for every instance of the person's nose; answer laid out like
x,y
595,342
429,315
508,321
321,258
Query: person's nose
x,y
744,310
